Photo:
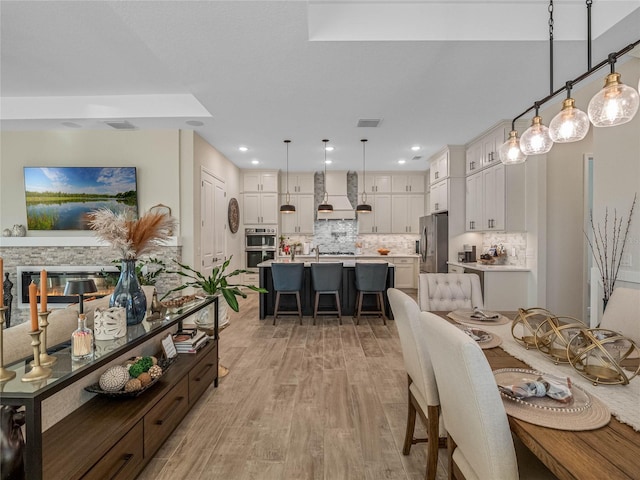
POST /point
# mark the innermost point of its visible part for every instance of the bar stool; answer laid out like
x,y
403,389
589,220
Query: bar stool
x,y
287,280
326,278
371,278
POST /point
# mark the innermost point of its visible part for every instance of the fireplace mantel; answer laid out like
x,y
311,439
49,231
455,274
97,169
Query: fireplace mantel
x,y
77,241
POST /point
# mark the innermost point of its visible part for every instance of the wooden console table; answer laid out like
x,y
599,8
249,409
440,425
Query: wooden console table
x,y
109,437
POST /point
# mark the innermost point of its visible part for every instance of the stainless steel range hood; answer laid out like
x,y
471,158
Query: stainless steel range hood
x,y
336,187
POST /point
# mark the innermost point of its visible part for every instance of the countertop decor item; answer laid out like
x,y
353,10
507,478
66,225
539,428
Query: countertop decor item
x,y
383,251
234,215
19,231
607,247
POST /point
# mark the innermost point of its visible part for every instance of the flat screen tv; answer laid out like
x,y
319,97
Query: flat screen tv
x,y
59,198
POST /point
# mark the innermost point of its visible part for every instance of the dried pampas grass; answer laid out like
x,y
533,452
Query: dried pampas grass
x,y
133,238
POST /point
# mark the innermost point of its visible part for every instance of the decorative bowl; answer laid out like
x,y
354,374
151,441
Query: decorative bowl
x,y
383,251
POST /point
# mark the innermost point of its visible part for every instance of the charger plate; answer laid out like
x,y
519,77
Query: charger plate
x,y
485,339
585,412
465,315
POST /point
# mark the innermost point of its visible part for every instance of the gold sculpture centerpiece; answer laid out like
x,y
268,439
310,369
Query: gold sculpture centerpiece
x,y
525,324
553,335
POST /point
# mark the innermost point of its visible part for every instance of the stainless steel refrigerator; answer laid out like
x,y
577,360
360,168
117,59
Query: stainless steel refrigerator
x,y
434,243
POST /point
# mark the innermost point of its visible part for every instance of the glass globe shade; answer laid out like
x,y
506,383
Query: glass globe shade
x,y
570,125
615,104
509,151
536,140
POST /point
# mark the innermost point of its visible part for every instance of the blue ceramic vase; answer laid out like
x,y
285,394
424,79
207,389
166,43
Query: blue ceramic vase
x,y
129,294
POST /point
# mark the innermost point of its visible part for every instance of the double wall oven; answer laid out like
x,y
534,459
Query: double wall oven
x,y
260,245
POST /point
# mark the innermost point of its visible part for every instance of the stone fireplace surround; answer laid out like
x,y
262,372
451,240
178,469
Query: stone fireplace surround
x,y
58,252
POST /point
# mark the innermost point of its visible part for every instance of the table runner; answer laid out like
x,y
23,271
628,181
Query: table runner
x,y
622,400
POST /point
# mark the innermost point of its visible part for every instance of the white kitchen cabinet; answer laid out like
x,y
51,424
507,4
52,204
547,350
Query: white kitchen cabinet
x,y
260,208
473,156
507,291
406,276
406,211
439,196
495,199
490,144
455,269
474,198
377,183
439,167
379,220
298,182
413,182
300,221
260,181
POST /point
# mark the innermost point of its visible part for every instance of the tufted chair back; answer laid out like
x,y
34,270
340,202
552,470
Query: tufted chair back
x,y
449,291
623,313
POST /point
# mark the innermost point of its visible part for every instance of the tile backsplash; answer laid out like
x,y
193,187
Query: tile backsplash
x,y
514,242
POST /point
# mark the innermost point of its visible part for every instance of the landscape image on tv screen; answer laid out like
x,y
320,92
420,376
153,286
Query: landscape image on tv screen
x,y
59,198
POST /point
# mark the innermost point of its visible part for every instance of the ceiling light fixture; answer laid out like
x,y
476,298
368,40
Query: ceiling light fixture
x,y
415,148
536,140
329,149
325,206
255,162
402,162
286,207
363,207
243,149
615,104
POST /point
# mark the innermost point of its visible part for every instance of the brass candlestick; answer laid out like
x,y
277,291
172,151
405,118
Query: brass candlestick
x,y
45,359
5,375
38,372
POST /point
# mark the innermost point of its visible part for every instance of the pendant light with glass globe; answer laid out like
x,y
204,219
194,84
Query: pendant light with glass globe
x,y
571,124
363,207
536,140
325,206
286,207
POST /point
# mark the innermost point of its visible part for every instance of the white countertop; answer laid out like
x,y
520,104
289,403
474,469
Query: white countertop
x,y
490,268
347,261
363,255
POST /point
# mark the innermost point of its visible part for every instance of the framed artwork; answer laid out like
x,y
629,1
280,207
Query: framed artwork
x,y
234,215
60,198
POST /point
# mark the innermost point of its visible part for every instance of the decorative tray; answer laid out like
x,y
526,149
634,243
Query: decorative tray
x,y
509,376
95,387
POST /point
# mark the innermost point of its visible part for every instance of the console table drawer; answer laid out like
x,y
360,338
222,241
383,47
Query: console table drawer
x,y
160,421
203,374
123,461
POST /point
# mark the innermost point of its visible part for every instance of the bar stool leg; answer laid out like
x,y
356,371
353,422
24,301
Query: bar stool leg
x,y
359,307
299,304
338,307
315,307
380,300
275,310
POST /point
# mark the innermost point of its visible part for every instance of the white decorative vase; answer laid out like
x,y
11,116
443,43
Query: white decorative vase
x,y
109,323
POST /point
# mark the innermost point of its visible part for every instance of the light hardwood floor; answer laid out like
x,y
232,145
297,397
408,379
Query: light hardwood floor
x,y
323,401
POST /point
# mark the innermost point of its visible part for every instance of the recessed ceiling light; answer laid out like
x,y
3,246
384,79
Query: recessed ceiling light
x,y
402,162
329,149
328,162
243,149
194,123
415,148
255,162
71,125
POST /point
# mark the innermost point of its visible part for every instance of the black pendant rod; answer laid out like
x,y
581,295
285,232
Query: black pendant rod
x,y
550,46
589,2
610,60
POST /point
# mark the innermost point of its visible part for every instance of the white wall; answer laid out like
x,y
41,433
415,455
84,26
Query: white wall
x,y
616,178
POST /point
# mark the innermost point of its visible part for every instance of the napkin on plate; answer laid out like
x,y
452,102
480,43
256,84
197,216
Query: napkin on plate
x,y
548,385
480,315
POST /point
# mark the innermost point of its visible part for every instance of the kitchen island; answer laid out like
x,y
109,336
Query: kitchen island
x,y
347,292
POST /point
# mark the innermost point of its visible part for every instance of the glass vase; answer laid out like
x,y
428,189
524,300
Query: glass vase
x,y
129,294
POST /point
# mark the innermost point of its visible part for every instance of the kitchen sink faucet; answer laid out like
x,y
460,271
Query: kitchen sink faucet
x,y
317,250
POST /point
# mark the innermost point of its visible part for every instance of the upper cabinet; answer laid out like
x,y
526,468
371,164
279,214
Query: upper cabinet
x,y
413,182
439,167
379,220
260,208
406,211
298,182
300,221
491,143
260,181
474,157
446,163
377,183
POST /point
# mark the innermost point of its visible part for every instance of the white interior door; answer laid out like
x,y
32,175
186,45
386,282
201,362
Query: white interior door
x,y
220,221
207,221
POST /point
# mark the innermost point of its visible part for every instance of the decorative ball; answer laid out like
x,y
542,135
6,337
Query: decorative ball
x,y
133,385
145,378
114,378
155,371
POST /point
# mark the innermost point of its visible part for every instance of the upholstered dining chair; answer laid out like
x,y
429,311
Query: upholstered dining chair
x,y
480,445
623,312
421,382
287,280
449,291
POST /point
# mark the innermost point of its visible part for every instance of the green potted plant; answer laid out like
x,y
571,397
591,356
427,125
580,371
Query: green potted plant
x,y
216,283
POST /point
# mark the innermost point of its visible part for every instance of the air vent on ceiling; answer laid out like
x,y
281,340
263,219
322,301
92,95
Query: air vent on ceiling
x,y
369,122
417,157
121,125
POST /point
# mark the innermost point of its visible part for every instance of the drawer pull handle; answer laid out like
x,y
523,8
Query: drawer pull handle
x,y
207,367
125,459
161,421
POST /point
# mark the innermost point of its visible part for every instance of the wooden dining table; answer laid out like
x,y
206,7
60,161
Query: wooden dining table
x,y
611,452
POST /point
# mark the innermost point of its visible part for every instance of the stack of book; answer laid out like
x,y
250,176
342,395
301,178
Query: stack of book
x,y
189,341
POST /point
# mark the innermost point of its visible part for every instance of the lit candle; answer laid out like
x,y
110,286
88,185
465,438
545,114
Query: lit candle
x,y
1,282
43,291
33,303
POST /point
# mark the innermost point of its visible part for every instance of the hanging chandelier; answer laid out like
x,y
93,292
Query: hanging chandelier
x,y
615,104
363,207
286,207
325,206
